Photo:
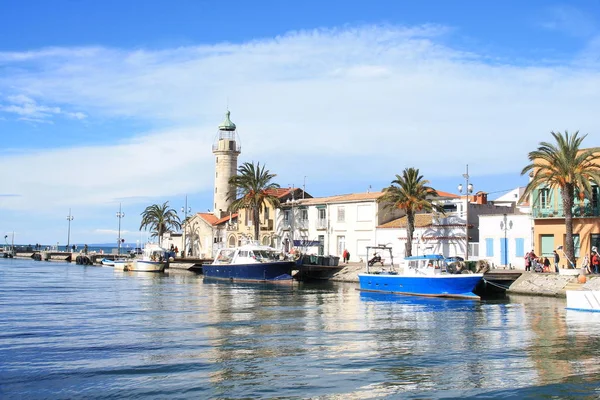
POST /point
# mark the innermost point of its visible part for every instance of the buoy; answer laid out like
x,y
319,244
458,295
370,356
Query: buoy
x,y
581,278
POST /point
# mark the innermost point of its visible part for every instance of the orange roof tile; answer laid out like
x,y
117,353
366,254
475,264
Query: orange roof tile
x,y
208,217
225,219
421,221
342,198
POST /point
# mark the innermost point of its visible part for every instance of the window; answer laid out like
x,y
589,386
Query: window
x,y
266,213
547,242
216,174
489,247
545,198
286,216
322,213
303,214
321,245
341,214
520,247
231,145
341,244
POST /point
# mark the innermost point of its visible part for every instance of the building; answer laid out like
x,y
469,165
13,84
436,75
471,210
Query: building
x,y
226,150
328,225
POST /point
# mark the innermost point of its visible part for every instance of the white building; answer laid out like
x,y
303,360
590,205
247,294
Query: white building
x,y
328,225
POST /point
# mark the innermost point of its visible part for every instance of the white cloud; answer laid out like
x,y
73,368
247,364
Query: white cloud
x,y
336,105
28,110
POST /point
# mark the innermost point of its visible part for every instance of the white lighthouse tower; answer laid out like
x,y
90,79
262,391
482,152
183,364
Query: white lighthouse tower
x,y
226,151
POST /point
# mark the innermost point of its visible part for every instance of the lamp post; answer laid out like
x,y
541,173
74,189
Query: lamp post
x,y
69,218
185,210
505,225
468,189
291,202
120,215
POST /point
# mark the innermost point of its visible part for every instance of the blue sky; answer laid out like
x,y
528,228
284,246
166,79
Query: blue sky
x,y
114,102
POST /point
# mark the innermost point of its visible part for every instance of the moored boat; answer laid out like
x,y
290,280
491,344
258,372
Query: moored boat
x,y
425,275
250,262
583,300
153,259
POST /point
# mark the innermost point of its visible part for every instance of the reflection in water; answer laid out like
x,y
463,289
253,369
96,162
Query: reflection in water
x,y
69,331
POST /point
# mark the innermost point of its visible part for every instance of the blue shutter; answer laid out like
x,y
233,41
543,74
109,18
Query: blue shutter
x,y
489,247
504,251
520,247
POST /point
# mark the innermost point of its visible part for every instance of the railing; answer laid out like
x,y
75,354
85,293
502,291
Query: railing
x,y
302,224
321,223
232,227
579,211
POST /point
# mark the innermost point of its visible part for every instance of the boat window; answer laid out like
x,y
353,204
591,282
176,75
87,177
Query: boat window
x,y
225,256
243,253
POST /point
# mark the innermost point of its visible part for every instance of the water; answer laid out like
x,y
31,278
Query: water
x,y
70,331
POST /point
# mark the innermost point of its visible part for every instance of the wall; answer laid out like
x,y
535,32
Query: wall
x,y
490,231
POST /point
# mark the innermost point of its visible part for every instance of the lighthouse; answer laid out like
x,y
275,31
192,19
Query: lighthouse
x,y
226,151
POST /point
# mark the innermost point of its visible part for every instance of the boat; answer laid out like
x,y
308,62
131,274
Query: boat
x,y
423,275
583,300
250,263
153,259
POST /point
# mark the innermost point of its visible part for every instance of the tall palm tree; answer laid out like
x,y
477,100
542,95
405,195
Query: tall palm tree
x,y
568,167
253,191
160,219
411,193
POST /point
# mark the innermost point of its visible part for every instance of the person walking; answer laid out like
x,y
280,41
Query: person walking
x,y
585,265
556,260
546,264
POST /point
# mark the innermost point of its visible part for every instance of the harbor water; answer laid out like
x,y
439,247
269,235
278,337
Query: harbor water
x,y
70,331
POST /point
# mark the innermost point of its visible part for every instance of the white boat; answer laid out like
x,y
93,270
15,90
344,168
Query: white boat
x,y
107,263
425,275
583,300
153,259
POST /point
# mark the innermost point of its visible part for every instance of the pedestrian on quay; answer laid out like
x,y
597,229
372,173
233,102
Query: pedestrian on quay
x,y
546,264
527,262
595,263
585,265
556,260
346,256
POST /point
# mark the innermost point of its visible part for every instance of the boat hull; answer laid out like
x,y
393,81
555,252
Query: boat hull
x,y
256,272
454,286
140,266
583,300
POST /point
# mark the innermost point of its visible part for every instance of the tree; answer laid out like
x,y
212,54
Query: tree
x,y
565,166
254,190
160,219
410,193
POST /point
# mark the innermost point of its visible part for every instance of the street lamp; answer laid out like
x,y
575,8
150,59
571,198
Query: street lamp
x,y
69,218
505,225
291,203
468,189
185,210
120,215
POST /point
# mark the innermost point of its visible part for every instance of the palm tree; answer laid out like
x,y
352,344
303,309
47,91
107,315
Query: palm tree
x,y
410,193
254,190
565,166
160,219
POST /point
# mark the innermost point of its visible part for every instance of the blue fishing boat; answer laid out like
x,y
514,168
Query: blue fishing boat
x,y
425,275
251,263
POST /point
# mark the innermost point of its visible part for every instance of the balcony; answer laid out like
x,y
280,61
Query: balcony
x,y
232,227
579,211
302,224
321,224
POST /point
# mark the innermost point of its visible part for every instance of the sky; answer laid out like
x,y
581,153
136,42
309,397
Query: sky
x,y
108,104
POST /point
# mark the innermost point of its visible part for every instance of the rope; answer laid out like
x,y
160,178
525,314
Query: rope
x,y
496,284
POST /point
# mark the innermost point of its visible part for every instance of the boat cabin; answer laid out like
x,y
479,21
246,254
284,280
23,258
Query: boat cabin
x,y
427,264
246,255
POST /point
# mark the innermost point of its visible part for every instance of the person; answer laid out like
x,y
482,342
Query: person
x,y
172,247
85,249
346,256
73,248
556,260
546,264
176,251
596,263
527,262
585,265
